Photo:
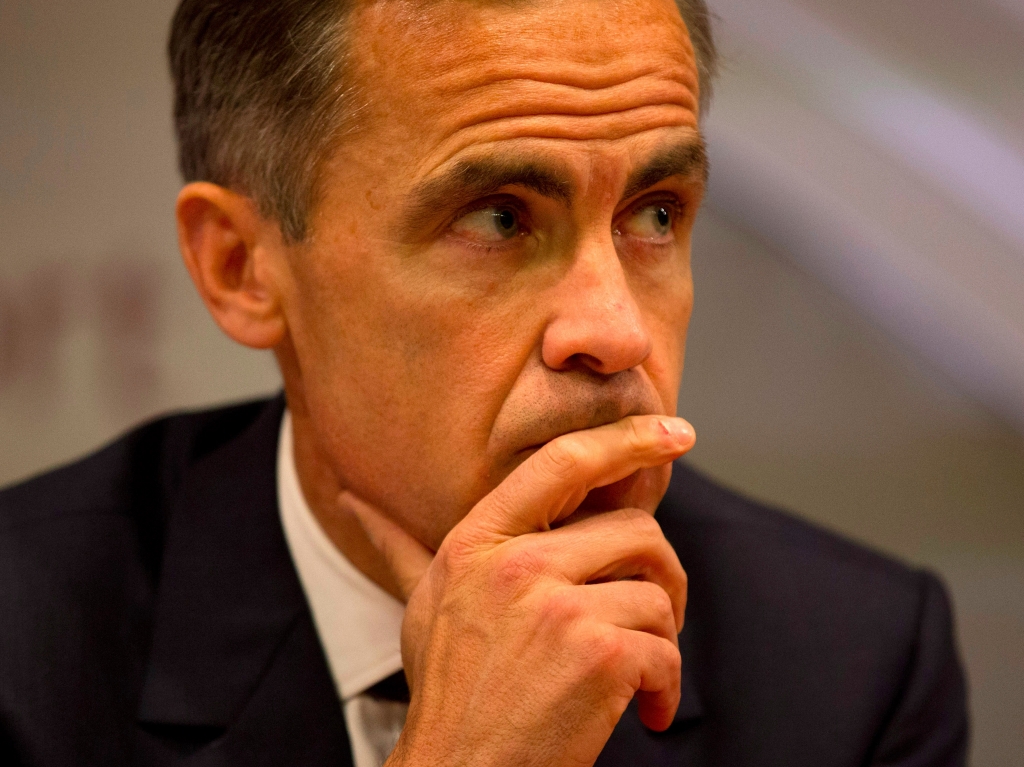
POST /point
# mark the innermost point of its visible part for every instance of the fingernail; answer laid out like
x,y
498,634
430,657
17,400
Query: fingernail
x,y
681,430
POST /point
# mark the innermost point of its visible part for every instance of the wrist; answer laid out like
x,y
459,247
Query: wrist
x,y
431,750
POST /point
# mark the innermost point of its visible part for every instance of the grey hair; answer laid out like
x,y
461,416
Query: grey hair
x,y
697,17
261,94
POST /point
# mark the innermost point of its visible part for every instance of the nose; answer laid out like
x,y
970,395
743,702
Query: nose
x,y
597,324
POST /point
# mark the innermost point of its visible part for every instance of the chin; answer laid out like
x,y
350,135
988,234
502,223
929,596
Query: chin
x,y
641,490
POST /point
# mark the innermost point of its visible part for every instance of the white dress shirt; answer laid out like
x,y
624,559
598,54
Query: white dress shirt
x,y
359,623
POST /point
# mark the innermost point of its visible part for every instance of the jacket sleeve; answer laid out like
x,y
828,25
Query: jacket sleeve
x,y
928,726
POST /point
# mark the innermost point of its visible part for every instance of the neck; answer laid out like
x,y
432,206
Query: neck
x,y
321,487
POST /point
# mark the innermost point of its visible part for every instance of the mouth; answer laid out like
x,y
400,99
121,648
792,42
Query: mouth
x,y
616,495
642,489
560,424
546,406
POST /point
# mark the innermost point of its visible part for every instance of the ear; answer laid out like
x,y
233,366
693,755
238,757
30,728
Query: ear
x,y
231,252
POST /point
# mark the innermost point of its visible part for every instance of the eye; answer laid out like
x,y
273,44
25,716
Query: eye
x,y
651,222
494,224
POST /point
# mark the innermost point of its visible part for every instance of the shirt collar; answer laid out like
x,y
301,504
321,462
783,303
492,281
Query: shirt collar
x,y
359,624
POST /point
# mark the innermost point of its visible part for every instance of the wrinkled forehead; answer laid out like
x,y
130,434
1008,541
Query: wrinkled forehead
x,y
451,75
589,32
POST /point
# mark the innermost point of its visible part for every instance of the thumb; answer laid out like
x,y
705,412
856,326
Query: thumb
x,y
406,557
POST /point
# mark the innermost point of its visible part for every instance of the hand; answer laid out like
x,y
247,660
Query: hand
x,y
523,643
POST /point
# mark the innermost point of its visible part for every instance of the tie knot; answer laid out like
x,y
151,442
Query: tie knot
x,y
393,688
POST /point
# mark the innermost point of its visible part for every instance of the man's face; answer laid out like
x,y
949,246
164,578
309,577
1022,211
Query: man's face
x,y
502,251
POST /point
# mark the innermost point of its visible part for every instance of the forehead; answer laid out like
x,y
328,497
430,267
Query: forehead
x,y
451,76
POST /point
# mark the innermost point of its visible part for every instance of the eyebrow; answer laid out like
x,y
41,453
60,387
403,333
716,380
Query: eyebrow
x,y
472,179
688,158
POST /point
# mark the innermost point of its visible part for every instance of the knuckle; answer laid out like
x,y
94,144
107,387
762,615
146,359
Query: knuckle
x,y
445,572
667,661
606,652
672,658
454,553
516,567
560,609
634,437
562,457
662,602
642,523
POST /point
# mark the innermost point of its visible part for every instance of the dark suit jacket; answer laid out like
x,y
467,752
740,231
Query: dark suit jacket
x,y
150,614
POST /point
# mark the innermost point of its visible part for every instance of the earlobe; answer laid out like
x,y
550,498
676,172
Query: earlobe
x,y
230,252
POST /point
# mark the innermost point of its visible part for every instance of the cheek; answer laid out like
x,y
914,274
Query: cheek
x,y
396,354
401,373
668,304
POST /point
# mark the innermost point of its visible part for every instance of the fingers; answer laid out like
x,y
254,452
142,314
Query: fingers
x,y
660,670
612,546
407,558
632,605
635,641
551,483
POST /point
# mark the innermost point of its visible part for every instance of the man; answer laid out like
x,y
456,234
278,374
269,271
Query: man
x,y
463,226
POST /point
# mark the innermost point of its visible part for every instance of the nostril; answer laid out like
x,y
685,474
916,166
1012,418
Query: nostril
x,y
586,363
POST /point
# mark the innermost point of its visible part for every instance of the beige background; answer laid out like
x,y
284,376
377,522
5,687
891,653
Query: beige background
x,y
806,388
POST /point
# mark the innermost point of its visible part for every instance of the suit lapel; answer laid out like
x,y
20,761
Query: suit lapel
x,y
236,673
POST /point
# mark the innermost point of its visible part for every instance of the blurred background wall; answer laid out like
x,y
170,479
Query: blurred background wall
x,y
857,348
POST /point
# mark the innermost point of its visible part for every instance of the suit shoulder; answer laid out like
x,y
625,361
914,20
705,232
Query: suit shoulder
x,y
81,549
799,624
139,470
749,535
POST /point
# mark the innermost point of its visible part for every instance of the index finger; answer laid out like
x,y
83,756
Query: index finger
x,y
551,483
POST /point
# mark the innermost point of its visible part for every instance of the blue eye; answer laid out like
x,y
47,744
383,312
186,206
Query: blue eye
x,y
489,225
506,222
655,219
651,222
663,216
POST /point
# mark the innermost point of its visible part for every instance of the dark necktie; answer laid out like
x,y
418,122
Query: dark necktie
x,y
393,688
